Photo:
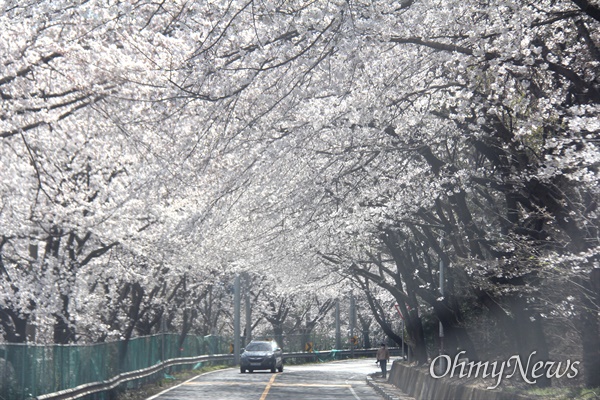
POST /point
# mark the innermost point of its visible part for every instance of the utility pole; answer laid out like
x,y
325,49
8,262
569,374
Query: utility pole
x,y
352,322
248,313
338,335
441,333
236,320
402,339
163,331
402,320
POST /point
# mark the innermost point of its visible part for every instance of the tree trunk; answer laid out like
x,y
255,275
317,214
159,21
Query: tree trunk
x,y
456,337
530,337
15,327
63,332
278,333
365,324
414,329
188,318
590,330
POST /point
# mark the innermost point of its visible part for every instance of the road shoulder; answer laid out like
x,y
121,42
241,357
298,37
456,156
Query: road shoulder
x,y
385,389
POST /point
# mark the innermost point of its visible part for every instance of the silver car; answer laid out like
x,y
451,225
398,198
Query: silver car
x,y
261,355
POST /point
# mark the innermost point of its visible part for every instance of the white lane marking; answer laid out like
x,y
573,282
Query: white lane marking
x,y
183,383
353,392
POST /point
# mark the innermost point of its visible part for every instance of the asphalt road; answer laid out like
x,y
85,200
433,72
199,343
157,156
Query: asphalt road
x,y
334,380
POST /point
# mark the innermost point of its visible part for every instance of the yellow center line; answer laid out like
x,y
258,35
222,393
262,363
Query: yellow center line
x,y
266,392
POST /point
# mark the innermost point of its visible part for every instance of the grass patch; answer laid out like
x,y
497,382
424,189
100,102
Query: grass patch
x,y
572,393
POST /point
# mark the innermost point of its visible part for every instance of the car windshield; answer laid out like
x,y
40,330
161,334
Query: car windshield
x,y
258,347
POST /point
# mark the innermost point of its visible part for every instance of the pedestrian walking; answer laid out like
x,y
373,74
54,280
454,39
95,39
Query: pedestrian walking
x,y
383,356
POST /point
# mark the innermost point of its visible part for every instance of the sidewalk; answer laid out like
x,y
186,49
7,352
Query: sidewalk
x,y
387,390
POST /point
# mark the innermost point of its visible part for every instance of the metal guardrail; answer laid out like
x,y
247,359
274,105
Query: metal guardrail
x,y
326,353
97,387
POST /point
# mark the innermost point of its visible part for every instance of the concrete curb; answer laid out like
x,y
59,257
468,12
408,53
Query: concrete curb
x,y
380,389
418,384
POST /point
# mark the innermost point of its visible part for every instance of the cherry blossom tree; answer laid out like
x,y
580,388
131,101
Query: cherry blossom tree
x,y
152,151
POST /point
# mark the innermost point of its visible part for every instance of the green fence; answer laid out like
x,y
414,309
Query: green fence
x,y
27,371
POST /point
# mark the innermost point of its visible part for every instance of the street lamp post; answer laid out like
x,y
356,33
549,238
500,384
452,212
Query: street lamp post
x,y
441,332
236,320
352,322
402,320
338,335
